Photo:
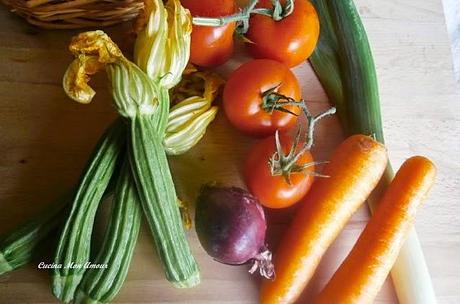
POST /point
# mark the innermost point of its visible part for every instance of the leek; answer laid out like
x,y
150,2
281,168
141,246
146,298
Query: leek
x,y
343,62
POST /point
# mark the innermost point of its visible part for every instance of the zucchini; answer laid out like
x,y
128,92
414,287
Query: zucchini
x,y
74,245
101,285
20,246
144,101
159,202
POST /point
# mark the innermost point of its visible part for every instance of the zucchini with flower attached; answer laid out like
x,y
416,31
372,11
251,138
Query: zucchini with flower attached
x,y
148,159
344,65
141,95
185,128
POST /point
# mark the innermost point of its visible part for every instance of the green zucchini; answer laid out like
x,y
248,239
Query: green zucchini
x,y
158,197
144,102
101,285
20,246
73,249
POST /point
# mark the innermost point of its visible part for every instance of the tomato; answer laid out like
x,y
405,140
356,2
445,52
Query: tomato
x,y
290,40
242,97
211,46
274,191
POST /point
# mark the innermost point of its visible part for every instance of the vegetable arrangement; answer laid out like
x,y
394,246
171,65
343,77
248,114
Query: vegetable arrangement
x,y
344,65
141,97
165,107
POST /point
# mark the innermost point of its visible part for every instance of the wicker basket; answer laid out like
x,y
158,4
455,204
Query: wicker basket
x,y
71,14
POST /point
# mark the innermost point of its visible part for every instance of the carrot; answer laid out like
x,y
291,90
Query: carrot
x,y
362,274
354,170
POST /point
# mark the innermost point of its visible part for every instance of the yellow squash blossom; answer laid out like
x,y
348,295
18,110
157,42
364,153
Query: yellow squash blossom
x,y
189,118
132,90
162,47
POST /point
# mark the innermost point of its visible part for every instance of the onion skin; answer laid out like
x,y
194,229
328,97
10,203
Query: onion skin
x,y
230,224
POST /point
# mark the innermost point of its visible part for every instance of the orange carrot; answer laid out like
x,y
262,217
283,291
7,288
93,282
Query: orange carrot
x,y
362,274
354,170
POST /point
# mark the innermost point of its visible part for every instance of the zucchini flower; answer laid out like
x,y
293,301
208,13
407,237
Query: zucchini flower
x,y
192,111
162,47
133,91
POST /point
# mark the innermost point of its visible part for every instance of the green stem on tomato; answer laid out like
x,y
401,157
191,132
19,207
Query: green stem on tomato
x,y
274,101
312,120
286,164
277,13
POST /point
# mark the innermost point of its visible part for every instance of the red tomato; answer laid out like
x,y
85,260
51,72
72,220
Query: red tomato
x,y
290,40
211,46
274,191
242,97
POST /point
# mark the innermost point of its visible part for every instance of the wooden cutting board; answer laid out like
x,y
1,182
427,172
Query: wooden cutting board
x,y
45,140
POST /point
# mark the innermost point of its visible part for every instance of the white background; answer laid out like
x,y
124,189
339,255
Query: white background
x,y
452,11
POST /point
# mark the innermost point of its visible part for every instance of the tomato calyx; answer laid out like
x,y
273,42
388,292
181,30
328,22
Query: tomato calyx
x,y
285,164
274,101
277,12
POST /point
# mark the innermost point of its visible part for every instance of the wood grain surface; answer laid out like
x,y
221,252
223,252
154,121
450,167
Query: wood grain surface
x,y
45,140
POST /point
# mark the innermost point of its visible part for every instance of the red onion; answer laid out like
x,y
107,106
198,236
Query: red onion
x,y
231,226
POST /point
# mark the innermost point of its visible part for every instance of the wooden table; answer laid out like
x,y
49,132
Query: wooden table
x,y
45,140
